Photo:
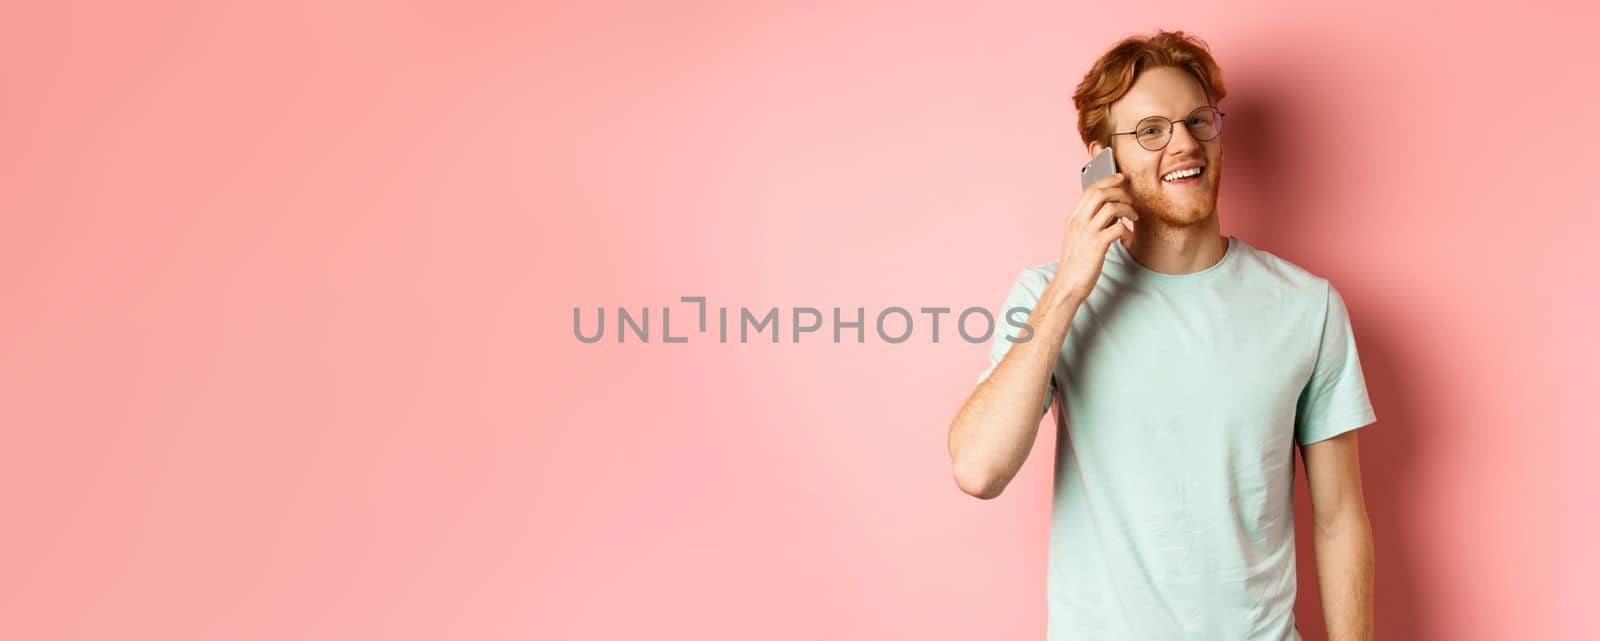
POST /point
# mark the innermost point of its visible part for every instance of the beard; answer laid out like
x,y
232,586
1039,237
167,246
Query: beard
x,y
1154,201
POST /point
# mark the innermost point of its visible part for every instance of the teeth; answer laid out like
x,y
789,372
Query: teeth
x,y
1185,173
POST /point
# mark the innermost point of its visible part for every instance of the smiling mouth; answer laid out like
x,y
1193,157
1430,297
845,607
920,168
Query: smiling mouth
x,y
1187,180
1191,179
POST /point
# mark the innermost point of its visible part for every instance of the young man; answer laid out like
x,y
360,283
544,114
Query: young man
x,y
1184,366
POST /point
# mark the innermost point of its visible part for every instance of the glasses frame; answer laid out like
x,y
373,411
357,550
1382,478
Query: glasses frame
x,y
1172,126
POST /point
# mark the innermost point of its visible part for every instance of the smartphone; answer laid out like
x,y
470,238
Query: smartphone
x,y
1103,164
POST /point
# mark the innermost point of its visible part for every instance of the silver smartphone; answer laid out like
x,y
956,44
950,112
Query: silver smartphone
x,y
1103,164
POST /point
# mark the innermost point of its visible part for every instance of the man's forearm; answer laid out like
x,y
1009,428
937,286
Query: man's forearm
x,y
995,429
1345,577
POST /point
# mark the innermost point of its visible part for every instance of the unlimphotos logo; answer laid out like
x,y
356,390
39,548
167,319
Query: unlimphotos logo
x,y
892,324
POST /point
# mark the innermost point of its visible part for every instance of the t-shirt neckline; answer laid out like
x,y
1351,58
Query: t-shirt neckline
x,y
1137,267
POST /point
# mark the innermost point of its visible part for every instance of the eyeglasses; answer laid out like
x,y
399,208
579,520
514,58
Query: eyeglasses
x,y
1153,133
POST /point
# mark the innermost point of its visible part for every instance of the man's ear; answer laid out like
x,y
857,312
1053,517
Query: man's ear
x,y
1094,148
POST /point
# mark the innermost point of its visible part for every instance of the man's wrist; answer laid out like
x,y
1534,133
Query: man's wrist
x,y
1058,297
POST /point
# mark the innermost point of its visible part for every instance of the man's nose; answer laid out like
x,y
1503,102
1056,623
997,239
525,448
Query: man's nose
x,y
1182,140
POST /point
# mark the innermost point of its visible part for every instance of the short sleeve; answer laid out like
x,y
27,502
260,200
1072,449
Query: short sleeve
x,y
1334,400
1024,294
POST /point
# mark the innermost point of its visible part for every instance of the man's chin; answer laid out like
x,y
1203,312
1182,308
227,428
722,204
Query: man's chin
x,y
1178,222
1187,214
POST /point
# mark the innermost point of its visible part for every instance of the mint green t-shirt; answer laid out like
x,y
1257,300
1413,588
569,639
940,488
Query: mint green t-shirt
x,y
1183,397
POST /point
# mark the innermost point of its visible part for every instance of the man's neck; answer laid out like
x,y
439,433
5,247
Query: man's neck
x,y
1177,250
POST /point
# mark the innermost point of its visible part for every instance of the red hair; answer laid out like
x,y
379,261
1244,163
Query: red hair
x,y
1115,72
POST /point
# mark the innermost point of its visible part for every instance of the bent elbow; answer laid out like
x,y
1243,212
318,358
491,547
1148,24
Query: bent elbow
x,y
979,483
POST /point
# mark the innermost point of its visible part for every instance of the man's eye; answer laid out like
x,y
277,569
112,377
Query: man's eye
x,y
1147,131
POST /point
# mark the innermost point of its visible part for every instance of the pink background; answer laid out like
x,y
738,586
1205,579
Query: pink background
x,y
286,346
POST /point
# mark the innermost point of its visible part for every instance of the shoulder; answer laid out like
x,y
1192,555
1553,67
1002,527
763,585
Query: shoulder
x,y
1266,269
1040,273
1032,279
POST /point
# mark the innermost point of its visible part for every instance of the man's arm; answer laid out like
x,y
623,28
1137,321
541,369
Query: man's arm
x,y
994,430
1343,537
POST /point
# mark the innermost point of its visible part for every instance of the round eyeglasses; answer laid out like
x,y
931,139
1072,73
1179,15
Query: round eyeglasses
x,y
1153,133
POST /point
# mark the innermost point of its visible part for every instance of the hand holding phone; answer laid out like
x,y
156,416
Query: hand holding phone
x,y
1093,225
1103,164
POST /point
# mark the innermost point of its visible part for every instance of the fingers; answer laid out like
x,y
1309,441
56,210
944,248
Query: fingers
x,y
1111,234
1107,181
1108,213
1102,216
1106,190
